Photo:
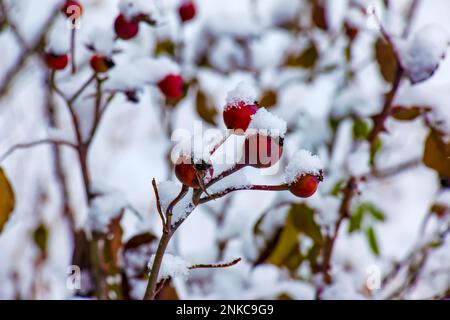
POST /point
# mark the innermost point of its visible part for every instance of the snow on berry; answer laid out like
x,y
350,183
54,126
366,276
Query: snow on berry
x,y
420,55
171,266
102,41
303,162
268,124
58,42
105,207
130,9
243,92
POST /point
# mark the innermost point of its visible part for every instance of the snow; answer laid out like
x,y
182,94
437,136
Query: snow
x,y
421,55
135,74
58,40
265,122
243,92
171,267
168,191
302,162
105,207
133,8
102,40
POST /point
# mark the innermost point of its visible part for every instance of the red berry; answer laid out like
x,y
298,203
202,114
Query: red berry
x,y
187,11
171,86
188,173
125,29
238,116
69,8
101,63
261,151
56,62
305,186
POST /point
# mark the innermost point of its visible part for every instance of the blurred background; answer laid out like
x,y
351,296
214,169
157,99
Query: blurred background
x,y
323,66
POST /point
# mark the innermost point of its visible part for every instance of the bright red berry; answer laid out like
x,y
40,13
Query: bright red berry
x,y
70,8
239,115
305,186
172,86
101,63
187,10
261,151
56,62
189,173
125,29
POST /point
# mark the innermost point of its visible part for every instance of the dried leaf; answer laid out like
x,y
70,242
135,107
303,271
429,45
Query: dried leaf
x,y
204,109
437,153
385,57
268,98
319,17
165,47
307,59
7,199
403,113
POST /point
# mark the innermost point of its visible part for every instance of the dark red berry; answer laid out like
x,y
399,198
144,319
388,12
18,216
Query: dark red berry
x,y
305,186
239,115
56,62
261,151
69,8
101,63
125,29
172,86
189,173
187,11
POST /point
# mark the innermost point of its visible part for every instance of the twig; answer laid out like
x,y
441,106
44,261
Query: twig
x,y
34,144
158,203
218,195
215,265
73,33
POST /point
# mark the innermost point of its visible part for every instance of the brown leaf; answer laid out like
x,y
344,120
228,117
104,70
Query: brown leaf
x,y
165,47
437,153
385,57
204,109
268,98
7,199
403,113
307,59
319,17
139,240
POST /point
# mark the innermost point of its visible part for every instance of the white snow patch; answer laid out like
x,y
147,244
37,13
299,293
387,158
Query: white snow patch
x,y
303,162
243,92
58,41
102,40
171,266
420,56
268,123
103,209
132,8
168,191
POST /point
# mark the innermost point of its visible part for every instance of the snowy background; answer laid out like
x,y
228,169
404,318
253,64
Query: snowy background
x,y
324,88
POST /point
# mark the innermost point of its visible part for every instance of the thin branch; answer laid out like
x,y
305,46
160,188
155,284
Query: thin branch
x,y
158,203
215,265
34,144
183,192
72,49
83,87
281,187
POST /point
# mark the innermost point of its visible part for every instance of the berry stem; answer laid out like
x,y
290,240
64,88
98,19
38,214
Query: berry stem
x,y
72,49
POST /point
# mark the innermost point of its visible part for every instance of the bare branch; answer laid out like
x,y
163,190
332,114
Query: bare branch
x,y
215,265
34,144
158,203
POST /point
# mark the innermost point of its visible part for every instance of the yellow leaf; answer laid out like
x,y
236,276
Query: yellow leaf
x,y
6,199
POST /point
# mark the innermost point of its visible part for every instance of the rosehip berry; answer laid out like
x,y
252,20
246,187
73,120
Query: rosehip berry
x,y
172,86
187,11
189,173
305,186
261,151
69,8
239,115
101,63
56,62
125,29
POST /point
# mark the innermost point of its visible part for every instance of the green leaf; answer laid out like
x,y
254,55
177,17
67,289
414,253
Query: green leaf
x,y
436,154
372,239
337,188
204,109
40,236
307,59
355,221
361,211
7,199
361,129
374,149
303,219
